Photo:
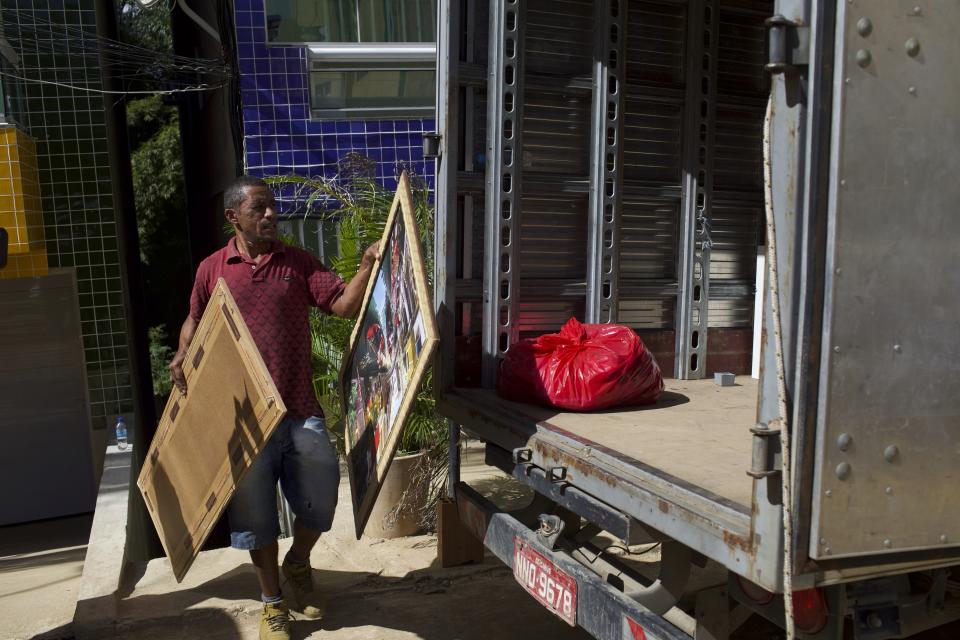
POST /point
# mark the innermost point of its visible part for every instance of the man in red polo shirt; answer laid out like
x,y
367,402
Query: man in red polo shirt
x,y
274,287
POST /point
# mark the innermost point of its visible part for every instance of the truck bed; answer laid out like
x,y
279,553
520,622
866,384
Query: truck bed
x,y
679,466
698,432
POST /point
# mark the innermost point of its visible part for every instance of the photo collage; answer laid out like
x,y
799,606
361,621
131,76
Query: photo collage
x,y
387,349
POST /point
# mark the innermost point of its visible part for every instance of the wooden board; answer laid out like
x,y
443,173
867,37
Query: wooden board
x,y
698,432
208,438
390,351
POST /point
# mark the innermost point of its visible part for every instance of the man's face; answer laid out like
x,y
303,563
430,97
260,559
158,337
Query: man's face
x,y
256,220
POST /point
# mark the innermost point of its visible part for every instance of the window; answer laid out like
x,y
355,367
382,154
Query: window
x,y
318,236
345,21
368,58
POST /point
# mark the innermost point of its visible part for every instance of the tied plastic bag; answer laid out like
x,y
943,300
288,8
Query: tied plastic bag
x,y
584,367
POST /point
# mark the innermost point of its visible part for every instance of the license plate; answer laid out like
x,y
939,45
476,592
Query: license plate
x,y
551,587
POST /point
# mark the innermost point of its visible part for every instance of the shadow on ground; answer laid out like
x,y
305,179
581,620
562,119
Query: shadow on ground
x,y
466,603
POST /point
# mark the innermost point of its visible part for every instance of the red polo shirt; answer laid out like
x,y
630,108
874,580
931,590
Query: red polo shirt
x,y
274,298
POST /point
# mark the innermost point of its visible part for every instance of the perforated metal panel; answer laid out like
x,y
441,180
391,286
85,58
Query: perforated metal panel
x,y
559,37
737,210
556,133
652,162
554,164
552,233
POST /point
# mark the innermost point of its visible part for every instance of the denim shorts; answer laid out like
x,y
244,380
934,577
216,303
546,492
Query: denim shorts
x,y
298,455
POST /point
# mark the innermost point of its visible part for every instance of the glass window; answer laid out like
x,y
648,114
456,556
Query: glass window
x,y
350,21
400,92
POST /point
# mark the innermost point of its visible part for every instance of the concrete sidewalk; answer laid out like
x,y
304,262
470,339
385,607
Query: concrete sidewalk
x,y
40,566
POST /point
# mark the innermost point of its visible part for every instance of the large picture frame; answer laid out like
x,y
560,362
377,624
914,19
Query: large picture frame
x,y
206,441
390,350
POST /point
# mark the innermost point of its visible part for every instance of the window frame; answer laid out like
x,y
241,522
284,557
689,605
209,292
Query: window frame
x,y
348,57
364,57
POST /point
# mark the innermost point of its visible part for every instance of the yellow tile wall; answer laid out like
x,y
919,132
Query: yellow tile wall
x,y
20,208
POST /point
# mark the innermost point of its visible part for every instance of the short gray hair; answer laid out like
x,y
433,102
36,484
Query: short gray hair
x,y
234,195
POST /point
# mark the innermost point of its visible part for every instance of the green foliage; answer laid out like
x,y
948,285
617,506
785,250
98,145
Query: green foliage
x,y
160,356
147,28
157,172
157,167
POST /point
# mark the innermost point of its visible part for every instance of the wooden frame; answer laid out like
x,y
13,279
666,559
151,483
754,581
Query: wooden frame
x,y
207,439
390,350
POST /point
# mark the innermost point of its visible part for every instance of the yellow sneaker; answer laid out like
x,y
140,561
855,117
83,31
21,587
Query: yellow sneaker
x,y
275,622
305,599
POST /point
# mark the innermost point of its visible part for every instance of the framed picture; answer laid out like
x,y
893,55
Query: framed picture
x,y
390,350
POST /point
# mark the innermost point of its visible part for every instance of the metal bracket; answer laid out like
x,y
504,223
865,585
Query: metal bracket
x,y
789,45
550,529
522,455
431,145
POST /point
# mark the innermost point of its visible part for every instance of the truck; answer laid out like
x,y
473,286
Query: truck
x,y
757,187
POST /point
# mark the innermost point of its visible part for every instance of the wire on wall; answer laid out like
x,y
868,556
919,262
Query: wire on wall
x,y
138,70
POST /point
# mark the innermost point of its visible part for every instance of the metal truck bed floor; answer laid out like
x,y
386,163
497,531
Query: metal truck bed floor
x,y
697,433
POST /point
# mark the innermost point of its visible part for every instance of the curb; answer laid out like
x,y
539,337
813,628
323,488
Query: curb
x,y
97,599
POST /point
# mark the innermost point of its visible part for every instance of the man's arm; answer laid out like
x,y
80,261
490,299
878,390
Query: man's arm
x,y
348,304
176,365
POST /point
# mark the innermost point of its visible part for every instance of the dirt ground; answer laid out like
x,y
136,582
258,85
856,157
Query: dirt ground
x,y
376,588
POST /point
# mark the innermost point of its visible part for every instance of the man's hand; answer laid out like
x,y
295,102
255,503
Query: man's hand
x,y
176,365
348,304
370,256
176,372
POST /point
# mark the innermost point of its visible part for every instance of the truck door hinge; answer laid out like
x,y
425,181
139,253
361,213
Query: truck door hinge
x,y
766,452
789,45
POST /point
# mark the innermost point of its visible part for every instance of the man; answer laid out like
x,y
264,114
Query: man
x,y
274,287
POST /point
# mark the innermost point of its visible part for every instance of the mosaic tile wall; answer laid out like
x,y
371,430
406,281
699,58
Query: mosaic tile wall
x,y
68,127
280,137
20,208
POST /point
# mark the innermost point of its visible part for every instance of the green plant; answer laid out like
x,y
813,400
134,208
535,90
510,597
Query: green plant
x,y
357,205
160,356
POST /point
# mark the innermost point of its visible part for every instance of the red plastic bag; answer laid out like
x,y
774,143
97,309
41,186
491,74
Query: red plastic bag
x,y
584,367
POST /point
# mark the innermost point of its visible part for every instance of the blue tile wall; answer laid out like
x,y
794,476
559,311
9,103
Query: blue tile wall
x,y
280,137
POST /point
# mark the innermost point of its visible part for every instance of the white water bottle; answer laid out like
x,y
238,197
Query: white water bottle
x,y
121,433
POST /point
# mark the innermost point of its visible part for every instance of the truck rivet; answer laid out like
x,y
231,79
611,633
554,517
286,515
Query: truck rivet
x,y
864,27
897,348
874,621
917,11
843,441
912,90
826,551
863,58
846,81
843,183
890,453
888,491
836,349
838,271
823,541
943,539
843,470
912,47
828,493
887,543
